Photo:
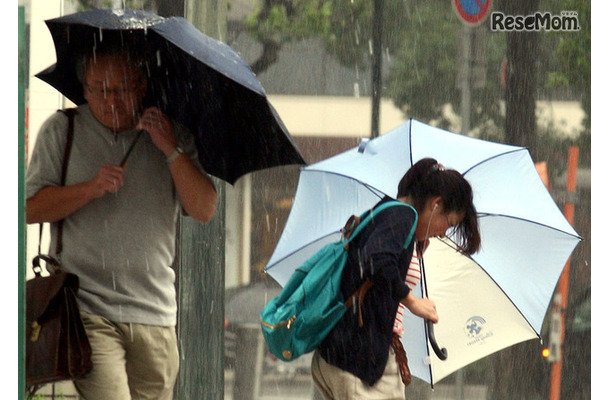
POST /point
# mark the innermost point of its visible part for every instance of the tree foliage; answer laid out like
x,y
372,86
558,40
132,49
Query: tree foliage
x,y
344,26
572,52
424,74
421,40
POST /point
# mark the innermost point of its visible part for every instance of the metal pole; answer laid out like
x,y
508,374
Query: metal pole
x,y
21,230
466,104
376,66
562,287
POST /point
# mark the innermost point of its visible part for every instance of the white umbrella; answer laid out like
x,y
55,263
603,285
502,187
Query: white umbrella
x,y
493,300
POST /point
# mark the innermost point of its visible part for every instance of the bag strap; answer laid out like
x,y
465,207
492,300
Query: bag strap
x,y
372,214
356,224
64,170
352,228
358,295
70,112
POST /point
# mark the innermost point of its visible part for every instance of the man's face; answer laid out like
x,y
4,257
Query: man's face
x,y
114,92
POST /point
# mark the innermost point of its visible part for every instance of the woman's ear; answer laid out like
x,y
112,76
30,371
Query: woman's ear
x,y
434,203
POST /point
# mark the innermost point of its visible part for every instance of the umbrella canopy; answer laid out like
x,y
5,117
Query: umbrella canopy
x,y
196,80
497,297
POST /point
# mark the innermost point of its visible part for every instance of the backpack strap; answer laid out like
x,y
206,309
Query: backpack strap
x,y
356,224
358,295
352,228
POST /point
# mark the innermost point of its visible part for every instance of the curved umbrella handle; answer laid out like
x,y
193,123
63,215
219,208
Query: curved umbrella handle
x,y
440,353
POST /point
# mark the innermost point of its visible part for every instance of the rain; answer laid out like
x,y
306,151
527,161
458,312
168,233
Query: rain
x,y
313,65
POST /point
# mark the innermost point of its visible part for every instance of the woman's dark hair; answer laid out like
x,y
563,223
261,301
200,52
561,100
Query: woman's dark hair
x,y
427,179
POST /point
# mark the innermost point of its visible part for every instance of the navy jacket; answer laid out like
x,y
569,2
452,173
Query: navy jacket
x,y
378,254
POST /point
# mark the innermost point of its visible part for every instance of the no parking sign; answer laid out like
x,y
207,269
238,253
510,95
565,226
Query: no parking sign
x,y
472,12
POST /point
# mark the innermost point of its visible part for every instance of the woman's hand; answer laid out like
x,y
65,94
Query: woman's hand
x,y
424,308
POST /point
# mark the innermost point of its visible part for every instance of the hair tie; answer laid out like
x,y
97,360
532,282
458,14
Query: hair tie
x,y
438,167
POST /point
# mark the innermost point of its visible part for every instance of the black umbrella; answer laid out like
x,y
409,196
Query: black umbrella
x,y
196,80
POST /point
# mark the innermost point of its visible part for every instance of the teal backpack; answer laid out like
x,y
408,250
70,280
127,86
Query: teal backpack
x,y
310,304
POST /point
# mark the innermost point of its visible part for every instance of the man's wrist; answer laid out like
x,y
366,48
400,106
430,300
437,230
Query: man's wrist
x,y
174,155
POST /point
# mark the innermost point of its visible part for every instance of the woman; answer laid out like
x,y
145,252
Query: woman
x,y
354,362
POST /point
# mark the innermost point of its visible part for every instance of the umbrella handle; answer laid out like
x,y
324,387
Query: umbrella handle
x,y
124,160
440,353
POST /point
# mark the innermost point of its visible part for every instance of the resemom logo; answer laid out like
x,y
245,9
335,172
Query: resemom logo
x,y
476,330
566,21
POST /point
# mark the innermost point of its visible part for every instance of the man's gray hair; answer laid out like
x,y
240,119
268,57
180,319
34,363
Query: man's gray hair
x,y
135,58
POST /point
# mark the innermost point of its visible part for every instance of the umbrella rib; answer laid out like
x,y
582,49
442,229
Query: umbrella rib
x,y
373,189
451,244
481,215
267,268
491,158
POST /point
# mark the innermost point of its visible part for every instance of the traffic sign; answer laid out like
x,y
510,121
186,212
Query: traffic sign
x,y
472,12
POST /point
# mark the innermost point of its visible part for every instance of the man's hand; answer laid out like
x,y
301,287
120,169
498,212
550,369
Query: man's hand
x,y
196,191
53,203
109,179
159,128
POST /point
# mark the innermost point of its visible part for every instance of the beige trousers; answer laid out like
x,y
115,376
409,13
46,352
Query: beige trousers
x,y
337,384
130,361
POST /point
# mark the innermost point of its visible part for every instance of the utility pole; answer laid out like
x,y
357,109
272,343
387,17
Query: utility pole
x,y
201,266
376,65
562,286
471,18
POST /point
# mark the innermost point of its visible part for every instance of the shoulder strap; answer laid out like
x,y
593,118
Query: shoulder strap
x,y
70,112
360,292
364,221
64,169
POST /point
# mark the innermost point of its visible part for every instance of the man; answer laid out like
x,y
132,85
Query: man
x,y
120,223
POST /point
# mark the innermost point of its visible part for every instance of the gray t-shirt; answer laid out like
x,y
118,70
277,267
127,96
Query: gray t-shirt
x,y
121,245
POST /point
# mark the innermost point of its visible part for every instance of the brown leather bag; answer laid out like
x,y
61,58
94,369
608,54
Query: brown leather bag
x,y
57,347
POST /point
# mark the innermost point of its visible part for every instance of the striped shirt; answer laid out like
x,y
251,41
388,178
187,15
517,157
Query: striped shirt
x,y
412,279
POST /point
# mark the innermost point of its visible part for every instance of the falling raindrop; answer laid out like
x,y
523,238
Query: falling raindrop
x,y
113,281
